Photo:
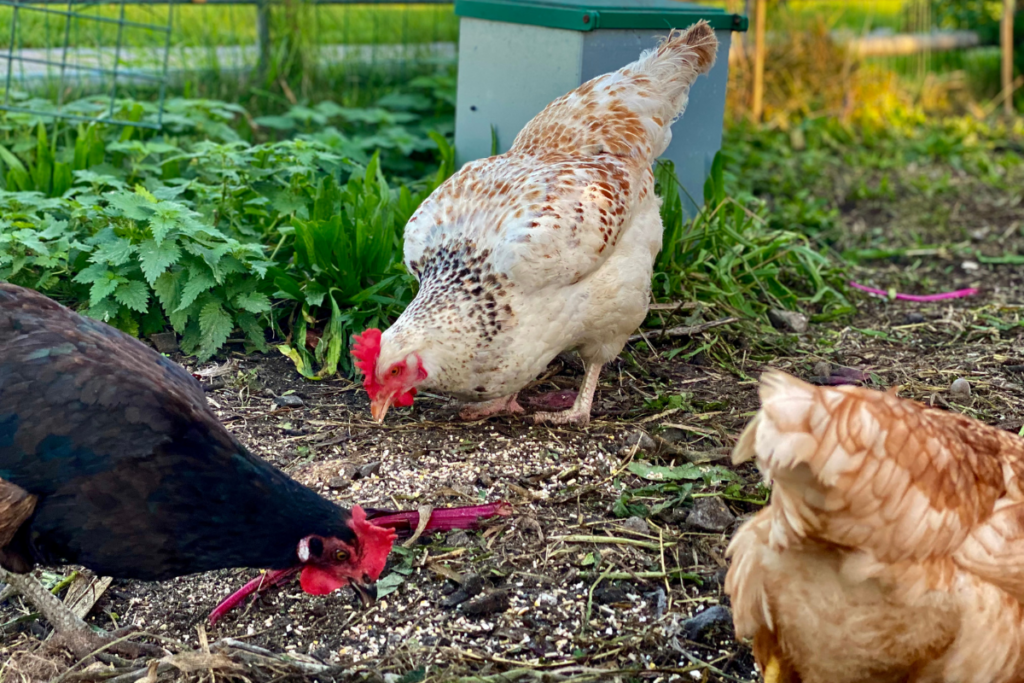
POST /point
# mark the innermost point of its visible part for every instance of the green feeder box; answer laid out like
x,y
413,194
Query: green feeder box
x,y
516,57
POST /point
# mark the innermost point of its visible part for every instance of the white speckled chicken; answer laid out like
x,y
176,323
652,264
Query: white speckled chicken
x,y
893,548
545,248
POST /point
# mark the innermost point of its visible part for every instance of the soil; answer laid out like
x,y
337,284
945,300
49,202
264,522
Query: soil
x,y
544,608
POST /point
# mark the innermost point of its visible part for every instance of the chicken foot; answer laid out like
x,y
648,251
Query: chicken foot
x,y
579,414
478,411
70,629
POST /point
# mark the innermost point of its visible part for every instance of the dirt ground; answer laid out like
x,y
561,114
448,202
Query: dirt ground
x,y
574,585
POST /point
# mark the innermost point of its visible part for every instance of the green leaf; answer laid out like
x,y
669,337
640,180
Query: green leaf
x,y
155,257
216,325
196,284
389,584
248,323
130,205
95,272
253,302
133,294
656,473
115,252
102,287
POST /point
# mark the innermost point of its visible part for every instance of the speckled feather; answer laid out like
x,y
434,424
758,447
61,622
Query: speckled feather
x,y
551,245
134,476
894,542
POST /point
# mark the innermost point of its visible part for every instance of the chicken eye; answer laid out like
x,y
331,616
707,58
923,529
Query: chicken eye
x,y
340,555
394,371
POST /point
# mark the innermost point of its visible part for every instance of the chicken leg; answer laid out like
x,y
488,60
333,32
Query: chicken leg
x,y
478,411
579,414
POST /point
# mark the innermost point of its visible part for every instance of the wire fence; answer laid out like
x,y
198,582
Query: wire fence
x,y
104,51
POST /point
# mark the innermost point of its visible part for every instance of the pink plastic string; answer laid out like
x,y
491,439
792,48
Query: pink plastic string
x,y
922,298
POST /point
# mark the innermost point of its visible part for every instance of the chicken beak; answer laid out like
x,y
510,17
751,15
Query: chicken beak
x,y
366,590
379,407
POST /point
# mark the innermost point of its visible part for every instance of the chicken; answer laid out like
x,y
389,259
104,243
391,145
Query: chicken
x,y
111,459
545,248
893,547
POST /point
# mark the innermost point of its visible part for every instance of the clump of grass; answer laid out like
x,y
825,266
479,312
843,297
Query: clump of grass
x,y
731,259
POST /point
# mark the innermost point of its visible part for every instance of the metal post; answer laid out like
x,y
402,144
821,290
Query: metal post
x,y
263,37
757,100
1006,38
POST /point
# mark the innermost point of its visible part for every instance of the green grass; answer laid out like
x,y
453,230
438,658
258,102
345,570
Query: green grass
x,y
216,25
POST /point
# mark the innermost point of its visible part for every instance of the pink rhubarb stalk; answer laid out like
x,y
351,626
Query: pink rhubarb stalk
x,y
921,298
257,585
404,523
445,519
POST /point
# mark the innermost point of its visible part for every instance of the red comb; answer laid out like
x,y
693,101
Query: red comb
x,y
374,542
366,350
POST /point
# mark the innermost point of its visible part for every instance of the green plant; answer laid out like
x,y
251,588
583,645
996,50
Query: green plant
x,y
344,258
731,258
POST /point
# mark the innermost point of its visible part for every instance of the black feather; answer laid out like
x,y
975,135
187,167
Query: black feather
x,y
135,476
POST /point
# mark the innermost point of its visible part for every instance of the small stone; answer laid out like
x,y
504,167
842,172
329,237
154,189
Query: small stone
x,y
484,480
165,342
702,622
675,515
642,440
489,603
368,470
606,594
339,483
788,320
970,266
913,318
548,599
822,369
960,388
979,234
459,538
637,525
348,472
289,401
710,514
472,585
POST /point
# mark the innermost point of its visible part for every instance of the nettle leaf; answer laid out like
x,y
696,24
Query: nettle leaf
x,y
253,302
115,252
95,272
155,257
133,294
102,288
131,205
248,323
166,288
216,325
166,217
196,284
105,310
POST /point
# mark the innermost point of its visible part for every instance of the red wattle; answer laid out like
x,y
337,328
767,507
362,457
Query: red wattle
x,y
316,581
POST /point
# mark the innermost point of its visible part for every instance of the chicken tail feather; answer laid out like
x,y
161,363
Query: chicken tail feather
x,y
629,112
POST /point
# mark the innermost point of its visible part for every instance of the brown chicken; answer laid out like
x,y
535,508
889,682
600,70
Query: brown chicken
x,y
893,547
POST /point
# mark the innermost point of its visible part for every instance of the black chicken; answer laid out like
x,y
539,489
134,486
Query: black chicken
x,y
110,458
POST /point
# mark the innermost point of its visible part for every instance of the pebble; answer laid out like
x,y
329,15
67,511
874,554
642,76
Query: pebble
x,y
489,603
459,538
484,480
822,369
710,514
368,470
913,318
702,622
788,320
637,525
960,388
289,401
646,443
